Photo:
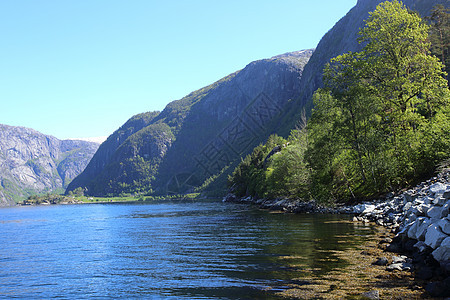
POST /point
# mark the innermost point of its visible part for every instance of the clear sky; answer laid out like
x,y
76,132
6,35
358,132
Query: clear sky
x,y
81,68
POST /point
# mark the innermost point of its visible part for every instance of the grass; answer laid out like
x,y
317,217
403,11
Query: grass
x,y
122,199
77,199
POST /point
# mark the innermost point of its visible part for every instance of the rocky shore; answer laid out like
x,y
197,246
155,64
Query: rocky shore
x,y
419,218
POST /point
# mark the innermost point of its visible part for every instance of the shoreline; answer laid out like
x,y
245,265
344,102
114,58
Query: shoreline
x,y
416,242
361,279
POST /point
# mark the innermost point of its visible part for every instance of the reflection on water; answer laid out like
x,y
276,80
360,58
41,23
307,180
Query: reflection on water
x,y
164,250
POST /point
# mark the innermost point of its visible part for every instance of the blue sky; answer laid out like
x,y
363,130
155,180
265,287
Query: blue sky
x,y
81,68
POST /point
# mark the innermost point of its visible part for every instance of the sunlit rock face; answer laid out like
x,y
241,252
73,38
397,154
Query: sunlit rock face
x,y
198,136
31,162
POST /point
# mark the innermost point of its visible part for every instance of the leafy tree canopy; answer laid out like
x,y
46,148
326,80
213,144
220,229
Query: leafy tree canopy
x,y
381,122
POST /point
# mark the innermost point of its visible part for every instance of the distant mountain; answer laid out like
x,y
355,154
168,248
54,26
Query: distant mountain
x,y
97,139
198,136
32,163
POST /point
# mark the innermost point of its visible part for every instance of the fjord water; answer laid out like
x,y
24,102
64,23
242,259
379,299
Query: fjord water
x,y
191,250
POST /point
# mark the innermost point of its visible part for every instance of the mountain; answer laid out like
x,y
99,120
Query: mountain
x,y
31,162
196,137
201,138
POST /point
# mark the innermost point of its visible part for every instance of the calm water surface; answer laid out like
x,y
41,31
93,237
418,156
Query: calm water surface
x,y
200,250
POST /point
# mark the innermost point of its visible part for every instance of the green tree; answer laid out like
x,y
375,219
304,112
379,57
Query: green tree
x,y
249,177
78,191
378,109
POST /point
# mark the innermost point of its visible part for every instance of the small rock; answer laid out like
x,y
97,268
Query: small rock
x,y
229,198
386,240
445,209
401,266
435,212
381,261
392,267
423,209
409,195
371,295
439,201
407,206
412,231
394,247
398,259
420,246
437,188
444,224
442,253
446,194
422,229
364,208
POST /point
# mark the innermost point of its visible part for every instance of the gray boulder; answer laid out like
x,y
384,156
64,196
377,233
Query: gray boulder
x,y
434,236
438,188
444,224
412,232
420,246
436,212
381,261
364,208
442,253
422,229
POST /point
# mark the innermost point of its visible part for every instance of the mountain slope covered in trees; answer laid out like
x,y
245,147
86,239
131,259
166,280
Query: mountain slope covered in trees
x,y
199,136
381,121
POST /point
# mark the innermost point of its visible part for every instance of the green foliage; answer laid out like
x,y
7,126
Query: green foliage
x,y
288,175
275,169
381,122
78,191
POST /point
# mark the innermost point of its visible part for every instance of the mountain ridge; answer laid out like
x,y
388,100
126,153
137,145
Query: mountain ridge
x,y
32,162
187,127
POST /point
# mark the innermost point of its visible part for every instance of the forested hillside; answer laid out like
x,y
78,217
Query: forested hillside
x,y
381,121
200,137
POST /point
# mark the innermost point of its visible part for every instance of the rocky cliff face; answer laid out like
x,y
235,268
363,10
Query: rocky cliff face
x,y
198,136
31,162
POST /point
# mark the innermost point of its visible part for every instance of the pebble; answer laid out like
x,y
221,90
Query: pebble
x,y
381,261
371,295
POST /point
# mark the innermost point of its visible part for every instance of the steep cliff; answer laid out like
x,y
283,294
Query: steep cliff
x,y
198,136
31,162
